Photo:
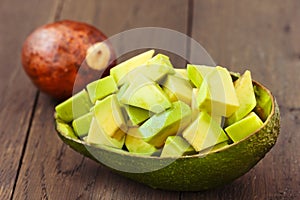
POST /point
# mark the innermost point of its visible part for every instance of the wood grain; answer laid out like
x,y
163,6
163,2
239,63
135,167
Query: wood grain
x,y
17,93
114,17
50,169
258,36
261,36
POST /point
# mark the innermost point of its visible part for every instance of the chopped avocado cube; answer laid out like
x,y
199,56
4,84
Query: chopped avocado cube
x,y
197,73
246,97
101,88
97,136
93,107
218,119
176,146
137,81
154,72
135,144
181,73
161,59
178,89
217,95
74,107
264,103
204,132
196,111
156,129
194,104
81,125
122,90
65,129
243,128
172,97
137,115
110,118
119,71
146,94
155,69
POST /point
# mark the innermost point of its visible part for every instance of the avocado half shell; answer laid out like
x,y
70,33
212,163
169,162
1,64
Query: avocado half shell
x,y
195,172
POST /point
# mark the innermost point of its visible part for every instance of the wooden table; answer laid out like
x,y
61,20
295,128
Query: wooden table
x,y
263,36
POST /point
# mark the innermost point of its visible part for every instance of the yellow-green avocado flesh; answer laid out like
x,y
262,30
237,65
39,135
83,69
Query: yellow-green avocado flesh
x,y
201,171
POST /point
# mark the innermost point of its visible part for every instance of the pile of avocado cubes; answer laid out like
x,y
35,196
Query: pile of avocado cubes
x,y
148,107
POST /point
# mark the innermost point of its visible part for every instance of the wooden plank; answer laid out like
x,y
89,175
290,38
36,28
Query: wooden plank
x,y
50,169
113,17
261,36
256,36
17,93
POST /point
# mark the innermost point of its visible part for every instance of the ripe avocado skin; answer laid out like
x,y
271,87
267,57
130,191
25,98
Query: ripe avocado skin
x,y
196,172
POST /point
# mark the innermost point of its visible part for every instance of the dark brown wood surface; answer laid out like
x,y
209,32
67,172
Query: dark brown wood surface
x,y
263,36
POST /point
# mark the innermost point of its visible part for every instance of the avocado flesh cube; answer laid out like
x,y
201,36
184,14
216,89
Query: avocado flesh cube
x,y
120,70
65,129
135,144
217,95
122,90
161,59
137,115
246,97
147,95
197,73
81,125
110,118
74,107
218,119
176,146
171,96
154,72
195,108
194,104
101,88
93,107
155,69
243,128
181,73
156,129
178,89
98,137
204,132
264,103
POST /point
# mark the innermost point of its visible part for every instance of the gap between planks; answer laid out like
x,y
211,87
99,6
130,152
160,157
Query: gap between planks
x,y
25,143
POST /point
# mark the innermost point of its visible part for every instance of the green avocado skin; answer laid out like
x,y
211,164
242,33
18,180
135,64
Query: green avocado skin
x,y
191,173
